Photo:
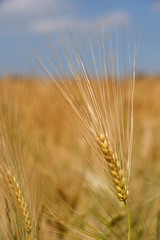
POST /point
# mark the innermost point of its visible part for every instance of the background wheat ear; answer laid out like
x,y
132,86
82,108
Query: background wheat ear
x,y
13,169
21,204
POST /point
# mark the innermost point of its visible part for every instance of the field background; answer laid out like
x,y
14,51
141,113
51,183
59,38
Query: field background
x,y
52,142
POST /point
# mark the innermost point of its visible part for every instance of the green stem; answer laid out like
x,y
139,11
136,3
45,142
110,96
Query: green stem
x,y
129,221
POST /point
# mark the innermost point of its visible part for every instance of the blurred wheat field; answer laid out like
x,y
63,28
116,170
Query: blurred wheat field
x,y
48,136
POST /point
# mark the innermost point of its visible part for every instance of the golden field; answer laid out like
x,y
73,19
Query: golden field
x,y
45,138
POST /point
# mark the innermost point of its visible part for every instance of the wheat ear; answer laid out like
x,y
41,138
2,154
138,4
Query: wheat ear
x,y
15,191
114,166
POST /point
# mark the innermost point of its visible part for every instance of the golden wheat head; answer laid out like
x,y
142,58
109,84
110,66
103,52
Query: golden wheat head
x,y
16,192
117,174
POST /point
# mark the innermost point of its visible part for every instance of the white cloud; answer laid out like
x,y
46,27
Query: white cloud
x,y
30,15
119,18
19,15
115,19
51,25
156,6
19,8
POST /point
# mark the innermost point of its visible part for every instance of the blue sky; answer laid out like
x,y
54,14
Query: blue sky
x,y
135,21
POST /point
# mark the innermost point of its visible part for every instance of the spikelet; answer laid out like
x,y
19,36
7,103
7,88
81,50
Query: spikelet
x,y
16,192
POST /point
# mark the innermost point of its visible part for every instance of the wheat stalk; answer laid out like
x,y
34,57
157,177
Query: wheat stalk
x,y
39,222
